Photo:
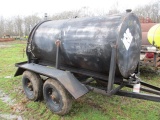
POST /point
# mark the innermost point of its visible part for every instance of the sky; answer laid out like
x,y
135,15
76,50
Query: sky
x,y
10,8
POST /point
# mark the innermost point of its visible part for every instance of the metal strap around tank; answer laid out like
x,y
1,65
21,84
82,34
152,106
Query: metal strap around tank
x,y
74,87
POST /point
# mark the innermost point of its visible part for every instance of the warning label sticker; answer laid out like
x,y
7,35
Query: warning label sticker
x,y
127,39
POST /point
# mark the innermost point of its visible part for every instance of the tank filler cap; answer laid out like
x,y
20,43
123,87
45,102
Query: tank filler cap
x,y
128,10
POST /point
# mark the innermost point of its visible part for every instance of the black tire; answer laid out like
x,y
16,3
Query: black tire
x,y
32,85
56,97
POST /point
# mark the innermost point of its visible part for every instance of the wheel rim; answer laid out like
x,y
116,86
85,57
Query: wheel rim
x,y
28,87
54,98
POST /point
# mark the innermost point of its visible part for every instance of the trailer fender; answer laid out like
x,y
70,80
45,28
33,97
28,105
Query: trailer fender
x,y
66,78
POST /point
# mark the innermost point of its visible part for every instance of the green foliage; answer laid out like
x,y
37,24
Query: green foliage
x,y
4,107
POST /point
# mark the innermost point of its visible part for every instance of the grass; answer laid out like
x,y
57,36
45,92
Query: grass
x,y
89,107
4,107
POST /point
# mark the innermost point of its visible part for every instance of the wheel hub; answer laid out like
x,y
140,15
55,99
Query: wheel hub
x,y
29,85
54,96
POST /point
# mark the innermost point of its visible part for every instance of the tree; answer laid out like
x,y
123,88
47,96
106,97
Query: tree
x,y
18,22
114,9
9,27
30,22
1,26
66,15
151,11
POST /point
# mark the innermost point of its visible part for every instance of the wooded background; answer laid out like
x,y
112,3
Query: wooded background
x,y
21,26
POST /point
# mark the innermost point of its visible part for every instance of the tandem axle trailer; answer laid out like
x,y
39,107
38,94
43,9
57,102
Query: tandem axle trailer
x,y
61,86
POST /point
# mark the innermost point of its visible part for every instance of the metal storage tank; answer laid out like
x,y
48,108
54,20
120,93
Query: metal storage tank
x,y
86,43
154,35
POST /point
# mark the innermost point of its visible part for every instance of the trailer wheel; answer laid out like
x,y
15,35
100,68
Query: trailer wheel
x,y
32,85
56,97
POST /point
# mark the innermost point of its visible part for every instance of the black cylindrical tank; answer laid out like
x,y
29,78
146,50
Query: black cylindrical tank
x,y
86,43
